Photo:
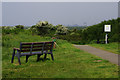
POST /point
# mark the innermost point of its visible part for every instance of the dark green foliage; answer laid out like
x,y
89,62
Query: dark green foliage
x,y
9,30
6,30
61,30
73,37
33,29
76,35
19,26
96,32
93,34
42,28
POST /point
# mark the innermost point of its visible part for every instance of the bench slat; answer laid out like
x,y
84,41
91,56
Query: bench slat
x,y
35,46
30,46
33,53
29,43
28,50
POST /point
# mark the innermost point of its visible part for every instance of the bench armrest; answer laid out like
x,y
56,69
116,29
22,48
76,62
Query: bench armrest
x,y
17,49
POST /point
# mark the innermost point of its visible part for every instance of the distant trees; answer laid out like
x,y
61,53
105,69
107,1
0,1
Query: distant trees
x,y
43,28
74,35
15,29
96,32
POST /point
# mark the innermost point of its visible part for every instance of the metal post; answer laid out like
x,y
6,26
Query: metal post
x,y
106,38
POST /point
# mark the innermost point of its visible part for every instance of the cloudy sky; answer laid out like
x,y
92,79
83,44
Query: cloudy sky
x,y
66,13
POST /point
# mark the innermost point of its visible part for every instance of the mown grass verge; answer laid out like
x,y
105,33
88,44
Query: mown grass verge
x,y
111,47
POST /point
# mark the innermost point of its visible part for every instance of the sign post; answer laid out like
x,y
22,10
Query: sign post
x,y
107,28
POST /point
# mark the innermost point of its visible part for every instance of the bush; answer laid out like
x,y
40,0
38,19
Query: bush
x,y
41,28
9,30
115,37
19,27
61,30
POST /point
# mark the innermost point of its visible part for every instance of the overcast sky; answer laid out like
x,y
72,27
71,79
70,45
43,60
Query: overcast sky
x,y
66,13
119,9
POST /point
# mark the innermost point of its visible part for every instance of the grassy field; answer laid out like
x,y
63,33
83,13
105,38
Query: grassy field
x,y
111,47
69,62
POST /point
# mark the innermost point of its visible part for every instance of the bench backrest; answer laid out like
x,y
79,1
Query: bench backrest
x,y
36,46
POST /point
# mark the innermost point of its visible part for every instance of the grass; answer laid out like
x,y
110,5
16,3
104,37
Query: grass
x,y
69,62
111,47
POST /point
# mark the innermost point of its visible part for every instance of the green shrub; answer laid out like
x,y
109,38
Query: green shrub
x,y
19,27
61,30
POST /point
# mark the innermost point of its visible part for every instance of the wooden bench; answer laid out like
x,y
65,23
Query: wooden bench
x,y
34,48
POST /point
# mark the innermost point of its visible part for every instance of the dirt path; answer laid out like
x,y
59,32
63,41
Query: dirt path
x,y
113,58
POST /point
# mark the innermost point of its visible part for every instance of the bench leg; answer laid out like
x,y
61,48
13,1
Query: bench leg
x,y
19,60
38,57
27,58
13,56
45,56
52,56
